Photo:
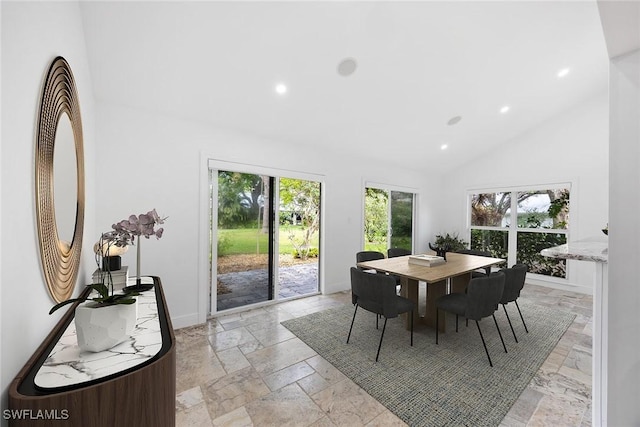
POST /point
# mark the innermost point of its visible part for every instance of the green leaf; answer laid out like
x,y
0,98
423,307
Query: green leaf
x,y
63,303
101,288
122,299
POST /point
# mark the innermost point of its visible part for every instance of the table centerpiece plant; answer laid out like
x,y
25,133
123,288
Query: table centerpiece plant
x,y
447,243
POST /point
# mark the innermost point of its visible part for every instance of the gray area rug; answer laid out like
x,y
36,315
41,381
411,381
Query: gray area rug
x,y
437,385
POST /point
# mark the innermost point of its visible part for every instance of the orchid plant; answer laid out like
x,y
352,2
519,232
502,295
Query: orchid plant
x,y
124,233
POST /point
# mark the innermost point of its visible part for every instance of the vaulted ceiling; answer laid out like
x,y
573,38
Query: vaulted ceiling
x,y
418,65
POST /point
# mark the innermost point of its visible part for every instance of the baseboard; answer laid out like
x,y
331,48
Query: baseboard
x,y
187,320
336,287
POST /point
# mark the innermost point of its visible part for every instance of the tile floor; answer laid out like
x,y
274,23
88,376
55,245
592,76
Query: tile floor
x,y
248,370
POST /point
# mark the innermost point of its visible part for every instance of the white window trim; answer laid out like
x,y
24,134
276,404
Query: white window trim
x,y
213,163
207,162
513,228
390,187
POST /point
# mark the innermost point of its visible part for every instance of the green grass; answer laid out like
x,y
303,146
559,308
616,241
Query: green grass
x,y
378,247
396,242
252,241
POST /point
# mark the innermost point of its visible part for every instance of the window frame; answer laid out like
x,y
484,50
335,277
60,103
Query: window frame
x,y
389,188
210,213
512,229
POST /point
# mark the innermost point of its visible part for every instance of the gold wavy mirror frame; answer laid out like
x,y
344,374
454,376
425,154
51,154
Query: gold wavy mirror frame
x,y
60,259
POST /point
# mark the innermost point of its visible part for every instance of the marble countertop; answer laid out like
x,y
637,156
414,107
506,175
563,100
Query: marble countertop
x,y
592,249
66,365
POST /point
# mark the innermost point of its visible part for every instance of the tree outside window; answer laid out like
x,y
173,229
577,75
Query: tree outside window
x,y
525,222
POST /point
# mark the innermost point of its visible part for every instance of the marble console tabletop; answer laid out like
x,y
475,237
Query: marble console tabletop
x,y
592,249
66,365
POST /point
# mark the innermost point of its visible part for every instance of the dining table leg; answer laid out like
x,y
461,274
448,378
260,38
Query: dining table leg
x,y
434,291
409,289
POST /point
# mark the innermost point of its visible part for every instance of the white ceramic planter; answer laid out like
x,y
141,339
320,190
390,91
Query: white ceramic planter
x,y
101,328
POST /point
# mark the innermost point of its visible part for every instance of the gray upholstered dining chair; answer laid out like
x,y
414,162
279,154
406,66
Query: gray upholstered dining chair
x,y
377,293
396,252
480,301
365,256
513,284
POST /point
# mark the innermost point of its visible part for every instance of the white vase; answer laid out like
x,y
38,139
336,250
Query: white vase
x,y
100,328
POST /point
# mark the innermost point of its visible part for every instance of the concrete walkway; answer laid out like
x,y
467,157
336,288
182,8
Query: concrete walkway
x,y
250,287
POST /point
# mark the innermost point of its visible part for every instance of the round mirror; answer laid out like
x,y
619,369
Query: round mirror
x,y
59,168
65,178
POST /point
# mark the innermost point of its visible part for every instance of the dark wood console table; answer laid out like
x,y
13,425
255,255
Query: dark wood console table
x,y
134,396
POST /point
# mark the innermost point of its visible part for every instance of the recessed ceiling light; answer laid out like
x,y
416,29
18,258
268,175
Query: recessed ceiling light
x,y
281,88
454,120
505,109
444,146
347,66
562,73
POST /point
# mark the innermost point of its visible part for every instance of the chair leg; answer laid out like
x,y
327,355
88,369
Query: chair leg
x,y
485,345
499,333
504,306
352,320
377,317
525,325
437,318
384,326
411,328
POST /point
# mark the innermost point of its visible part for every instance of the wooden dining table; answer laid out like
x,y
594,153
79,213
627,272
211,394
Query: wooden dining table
x,y
455,272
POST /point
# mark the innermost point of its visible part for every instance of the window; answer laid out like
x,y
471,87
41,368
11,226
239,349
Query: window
x,y
518,224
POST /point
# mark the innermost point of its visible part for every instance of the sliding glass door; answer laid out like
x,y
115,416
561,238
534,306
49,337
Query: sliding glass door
x,y
388,219
265,238
401,220
298,237
244,239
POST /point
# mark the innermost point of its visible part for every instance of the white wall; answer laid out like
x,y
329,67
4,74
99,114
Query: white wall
x,y
623,369
572,147
33,34
152,161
